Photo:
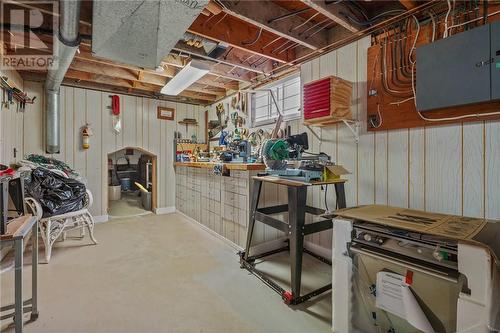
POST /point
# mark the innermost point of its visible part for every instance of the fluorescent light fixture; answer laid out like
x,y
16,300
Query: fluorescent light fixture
x,y
191,73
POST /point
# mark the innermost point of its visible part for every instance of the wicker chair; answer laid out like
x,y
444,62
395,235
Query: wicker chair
x,y
55,227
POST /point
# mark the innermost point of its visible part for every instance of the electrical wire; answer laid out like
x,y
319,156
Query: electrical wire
x,y
372,122
433,20
319,30
445,33
402,101
326,201
373,19
314,26
252,42
472,21
413,47
304,23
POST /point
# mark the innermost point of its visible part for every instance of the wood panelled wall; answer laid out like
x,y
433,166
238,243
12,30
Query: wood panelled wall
x,y
140,128
11,125
449,169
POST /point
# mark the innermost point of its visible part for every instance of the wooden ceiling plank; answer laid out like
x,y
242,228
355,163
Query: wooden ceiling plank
x,y
332,12
238,34
261,13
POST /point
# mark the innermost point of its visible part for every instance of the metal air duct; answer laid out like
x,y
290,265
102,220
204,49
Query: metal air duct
x,y
67,44
141,32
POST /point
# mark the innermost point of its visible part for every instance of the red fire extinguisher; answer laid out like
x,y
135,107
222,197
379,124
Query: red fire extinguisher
x,y
86,134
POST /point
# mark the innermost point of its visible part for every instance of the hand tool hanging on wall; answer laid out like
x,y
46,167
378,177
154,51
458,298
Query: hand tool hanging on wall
x,y
115,109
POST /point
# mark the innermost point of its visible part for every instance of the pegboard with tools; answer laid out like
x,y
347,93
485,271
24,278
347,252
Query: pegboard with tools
x,y
391,67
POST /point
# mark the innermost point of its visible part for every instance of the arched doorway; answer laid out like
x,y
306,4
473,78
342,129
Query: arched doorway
x,y
132,182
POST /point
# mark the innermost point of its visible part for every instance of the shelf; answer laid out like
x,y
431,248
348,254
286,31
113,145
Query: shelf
x,y
353,126
187,123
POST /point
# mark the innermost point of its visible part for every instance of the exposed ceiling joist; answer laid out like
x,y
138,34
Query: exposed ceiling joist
x,y
408,4
40,77
232,57
217,81
85,55
155,81
262,13
333,12
104,79
237,33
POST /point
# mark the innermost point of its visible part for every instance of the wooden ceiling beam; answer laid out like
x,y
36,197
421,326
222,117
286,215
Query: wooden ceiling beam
x,y
233,57
153,82
40,77
239,34
408,4
217,81
262,13
113,81
85,55
333,12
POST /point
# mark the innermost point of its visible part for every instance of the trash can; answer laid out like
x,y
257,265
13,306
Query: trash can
x,y
126,184
146,200
114,192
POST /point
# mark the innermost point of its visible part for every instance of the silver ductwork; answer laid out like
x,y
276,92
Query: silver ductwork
x,y
67,44
139,32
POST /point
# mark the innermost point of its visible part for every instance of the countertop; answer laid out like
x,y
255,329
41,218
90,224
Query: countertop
x,y
229,166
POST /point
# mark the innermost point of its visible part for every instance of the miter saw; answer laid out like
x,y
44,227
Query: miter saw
x,y
288,158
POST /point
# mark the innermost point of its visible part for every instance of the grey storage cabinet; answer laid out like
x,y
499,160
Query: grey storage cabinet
x,y
459,70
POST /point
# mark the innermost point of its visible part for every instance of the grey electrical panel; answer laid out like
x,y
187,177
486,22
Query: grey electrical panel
x,y
451,72
495,56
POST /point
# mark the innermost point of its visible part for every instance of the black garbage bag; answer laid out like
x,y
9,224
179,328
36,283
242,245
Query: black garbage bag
x,y
56,194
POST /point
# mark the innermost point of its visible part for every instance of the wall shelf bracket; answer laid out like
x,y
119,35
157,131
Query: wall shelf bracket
x,y
353,126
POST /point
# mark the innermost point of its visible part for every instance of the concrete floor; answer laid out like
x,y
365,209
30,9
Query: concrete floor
x,y
162,273
129,205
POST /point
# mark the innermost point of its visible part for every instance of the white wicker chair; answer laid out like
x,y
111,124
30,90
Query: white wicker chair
x,y
55,227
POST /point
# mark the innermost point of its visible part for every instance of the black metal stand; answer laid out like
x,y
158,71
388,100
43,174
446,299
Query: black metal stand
x,y
295,230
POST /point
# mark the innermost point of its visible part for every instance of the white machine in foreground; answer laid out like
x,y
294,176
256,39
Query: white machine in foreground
x,y
451,281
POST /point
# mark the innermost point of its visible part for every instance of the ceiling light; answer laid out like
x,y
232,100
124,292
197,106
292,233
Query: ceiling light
x,y
191,73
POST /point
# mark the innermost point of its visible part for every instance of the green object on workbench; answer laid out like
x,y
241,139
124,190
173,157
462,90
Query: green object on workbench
x,y
279,150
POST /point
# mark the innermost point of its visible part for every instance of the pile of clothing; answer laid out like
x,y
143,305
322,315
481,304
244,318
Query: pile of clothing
x,y
57,187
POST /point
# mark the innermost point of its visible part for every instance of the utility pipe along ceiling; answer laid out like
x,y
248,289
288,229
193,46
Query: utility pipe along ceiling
x,y
68,41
